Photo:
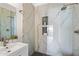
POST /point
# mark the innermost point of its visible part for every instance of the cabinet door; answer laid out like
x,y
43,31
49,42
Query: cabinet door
x,y
20,52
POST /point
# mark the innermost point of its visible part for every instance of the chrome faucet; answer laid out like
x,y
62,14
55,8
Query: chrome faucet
x,y
5,41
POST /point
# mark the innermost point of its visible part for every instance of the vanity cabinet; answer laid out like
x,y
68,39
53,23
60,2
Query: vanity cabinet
x,y
20,50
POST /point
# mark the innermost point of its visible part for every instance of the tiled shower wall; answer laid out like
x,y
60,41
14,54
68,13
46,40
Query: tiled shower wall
x,y
64,40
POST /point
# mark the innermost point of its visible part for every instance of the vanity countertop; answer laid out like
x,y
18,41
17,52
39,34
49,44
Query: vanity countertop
x,y
13,49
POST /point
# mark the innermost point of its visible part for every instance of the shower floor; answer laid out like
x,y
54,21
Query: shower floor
x,y
39,54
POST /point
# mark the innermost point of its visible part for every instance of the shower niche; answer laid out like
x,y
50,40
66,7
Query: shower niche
x,y
44,25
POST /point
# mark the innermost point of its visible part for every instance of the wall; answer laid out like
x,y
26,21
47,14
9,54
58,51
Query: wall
x,y
29,26
25,24
57,42
41,11
75,27
65,31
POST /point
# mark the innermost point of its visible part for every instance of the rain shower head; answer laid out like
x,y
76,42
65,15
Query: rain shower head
x,y
63,8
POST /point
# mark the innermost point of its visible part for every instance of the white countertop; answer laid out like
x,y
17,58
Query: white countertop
x,y
12,47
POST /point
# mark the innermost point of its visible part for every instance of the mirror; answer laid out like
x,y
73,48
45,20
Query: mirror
x,y
7,24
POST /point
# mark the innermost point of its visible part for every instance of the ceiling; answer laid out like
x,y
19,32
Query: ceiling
x,y
37,4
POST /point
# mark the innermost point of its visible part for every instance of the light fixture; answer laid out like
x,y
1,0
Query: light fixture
x,y
21,11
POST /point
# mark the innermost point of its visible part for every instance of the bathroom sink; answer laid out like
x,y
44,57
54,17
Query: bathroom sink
x,y
11,48
3,50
